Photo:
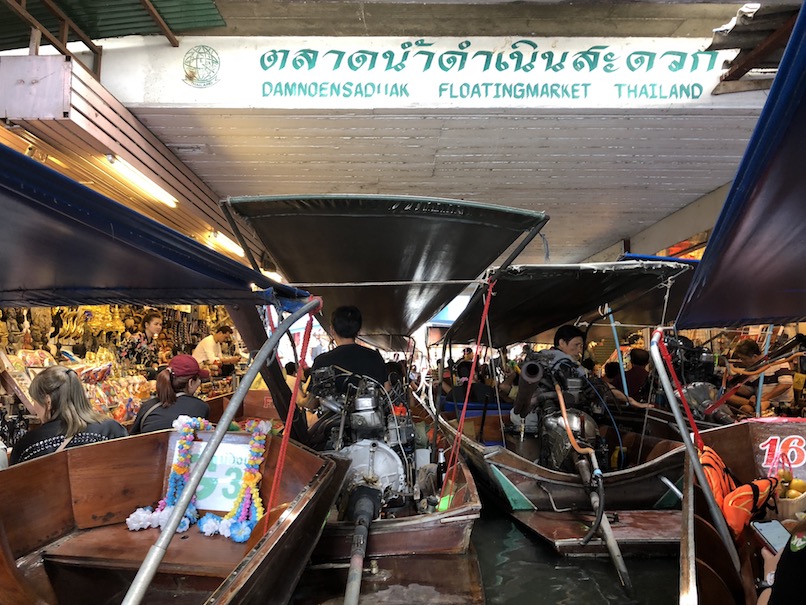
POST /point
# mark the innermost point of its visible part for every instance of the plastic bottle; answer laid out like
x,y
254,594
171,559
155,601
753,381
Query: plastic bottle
x,y
441,468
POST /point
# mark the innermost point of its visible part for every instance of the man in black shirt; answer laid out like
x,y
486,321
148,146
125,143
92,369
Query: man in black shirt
x,y
349,359
350,362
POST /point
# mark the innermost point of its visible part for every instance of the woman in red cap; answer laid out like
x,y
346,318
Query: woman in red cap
x,y
176,386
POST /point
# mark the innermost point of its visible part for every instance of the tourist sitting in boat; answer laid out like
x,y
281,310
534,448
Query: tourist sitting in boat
x,y
176,388
777,389
479,391
637,375
68,417
611,377
783,572
569,342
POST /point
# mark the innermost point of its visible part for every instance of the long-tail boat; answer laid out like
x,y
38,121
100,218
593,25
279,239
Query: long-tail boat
x,y
63,536
64,539
718,565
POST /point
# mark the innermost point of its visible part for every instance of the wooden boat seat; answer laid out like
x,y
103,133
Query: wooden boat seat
x,y
648,448
115,547
662,447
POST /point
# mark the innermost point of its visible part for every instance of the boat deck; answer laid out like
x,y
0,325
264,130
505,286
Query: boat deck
x,y
641,532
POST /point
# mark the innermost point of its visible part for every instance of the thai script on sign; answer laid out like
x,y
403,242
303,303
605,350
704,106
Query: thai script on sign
x,y
523,55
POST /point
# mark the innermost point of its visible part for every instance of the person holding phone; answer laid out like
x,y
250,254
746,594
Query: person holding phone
x,y
782,581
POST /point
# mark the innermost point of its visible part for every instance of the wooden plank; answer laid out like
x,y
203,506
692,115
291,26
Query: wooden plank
x,y
110,480
115,547
637,532
35,503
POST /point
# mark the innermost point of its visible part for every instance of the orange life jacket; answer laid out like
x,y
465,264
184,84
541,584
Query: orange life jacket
x,y
739,503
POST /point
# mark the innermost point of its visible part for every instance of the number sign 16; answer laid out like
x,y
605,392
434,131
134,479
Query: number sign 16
x,y
794,446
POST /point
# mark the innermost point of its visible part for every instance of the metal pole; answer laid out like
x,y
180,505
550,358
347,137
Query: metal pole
x,y
516,252
761,376
716,512
157,552
619,356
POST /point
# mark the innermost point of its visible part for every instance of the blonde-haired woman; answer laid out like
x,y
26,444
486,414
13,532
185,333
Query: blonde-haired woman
x,y
68,419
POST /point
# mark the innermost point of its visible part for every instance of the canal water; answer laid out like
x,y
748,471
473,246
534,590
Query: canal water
x,y
518,569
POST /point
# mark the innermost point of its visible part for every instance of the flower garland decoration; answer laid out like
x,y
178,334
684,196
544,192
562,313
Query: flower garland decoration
x,y
239,522
248,508
146,517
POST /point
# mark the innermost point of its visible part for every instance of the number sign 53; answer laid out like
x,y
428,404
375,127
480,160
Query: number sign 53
x,y
222,481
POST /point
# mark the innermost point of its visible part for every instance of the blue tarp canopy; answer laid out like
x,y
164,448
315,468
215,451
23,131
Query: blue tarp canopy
x,y
753,269
64,244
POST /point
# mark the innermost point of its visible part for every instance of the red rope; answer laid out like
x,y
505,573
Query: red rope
x,y
278,471
668,359
450,474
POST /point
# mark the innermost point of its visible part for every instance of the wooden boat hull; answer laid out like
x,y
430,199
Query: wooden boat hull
x,y
747,448
521,484
428,533
64,540
552,504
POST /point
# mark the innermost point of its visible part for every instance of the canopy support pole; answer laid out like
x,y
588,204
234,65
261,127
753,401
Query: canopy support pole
x,y
716,513
765,352
619,356
225,208
517,251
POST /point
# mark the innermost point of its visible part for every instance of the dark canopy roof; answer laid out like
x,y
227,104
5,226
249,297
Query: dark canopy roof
x,y
752,270
64,244
390,256
530,299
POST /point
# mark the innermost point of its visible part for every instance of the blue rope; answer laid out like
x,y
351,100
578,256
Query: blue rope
x,y
613,420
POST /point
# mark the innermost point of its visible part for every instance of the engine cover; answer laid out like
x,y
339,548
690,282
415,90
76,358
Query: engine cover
x,y
375,465
555,445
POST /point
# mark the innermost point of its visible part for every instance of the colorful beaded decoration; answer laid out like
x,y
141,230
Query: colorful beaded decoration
x,y
239,522
248,508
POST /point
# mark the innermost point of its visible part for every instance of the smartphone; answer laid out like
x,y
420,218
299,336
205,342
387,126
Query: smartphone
x,y
772,534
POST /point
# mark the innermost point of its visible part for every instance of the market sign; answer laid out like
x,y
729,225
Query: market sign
x,y
384,72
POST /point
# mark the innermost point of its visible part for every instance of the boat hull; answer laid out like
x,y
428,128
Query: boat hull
x,y
747,448
65,541
429,533
552,504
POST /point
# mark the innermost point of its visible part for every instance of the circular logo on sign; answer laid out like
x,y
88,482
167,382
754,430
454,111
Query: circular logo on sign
x,y
201,65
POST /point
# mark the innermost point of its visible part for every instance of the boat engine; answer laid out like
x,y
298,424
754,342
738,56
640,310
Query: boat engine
x,y
537,411
379,442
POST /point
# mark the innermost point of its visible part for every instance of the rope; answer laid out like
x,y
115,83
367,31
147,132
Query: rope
x,y
668,359
278,471
453,459
462,282
580,450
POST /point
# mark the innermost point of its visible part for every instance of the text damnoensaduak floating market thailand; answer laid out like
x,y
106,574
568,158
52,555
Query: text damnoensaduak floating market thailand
x,y
396,72
524,70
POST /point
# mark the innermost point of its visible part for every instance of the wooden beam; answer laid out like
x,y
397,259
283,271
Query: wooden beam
x,y
774,41
166,31
18,7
